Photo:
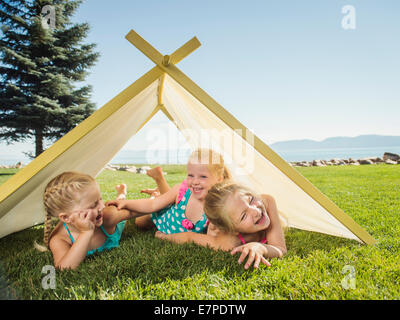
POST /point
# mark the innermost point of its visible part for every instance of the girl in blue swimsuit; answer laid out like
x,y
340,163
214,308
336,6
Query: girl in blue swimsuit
x,y
86,226
184,212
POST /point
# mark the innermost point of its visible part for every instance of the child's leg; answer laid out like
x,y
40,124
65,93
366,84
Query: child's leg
x,y
151,192
121,192
158,176
144,222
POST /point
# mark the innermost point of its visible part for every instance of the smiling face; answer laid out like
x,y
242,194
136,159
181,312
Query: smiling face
x,y
247,212
91,204
200,179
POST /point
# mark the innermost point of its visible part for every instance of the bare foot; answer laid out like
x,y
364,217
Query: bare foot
x,y
151,192
121,191
155,173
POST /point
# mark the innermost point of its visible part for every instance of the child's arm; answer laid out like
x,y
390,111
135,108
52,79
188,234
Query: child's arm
x,y
216,243
67,256
275,247
70,257
112,216
275,239
143,206
220,242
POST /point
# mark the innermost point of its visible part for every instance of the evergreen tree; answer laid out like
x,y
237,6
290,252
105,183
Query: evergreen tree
x,y
40,64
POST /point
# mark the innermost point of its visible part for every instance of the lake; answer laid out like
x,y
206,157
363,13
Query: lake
x,y
180,156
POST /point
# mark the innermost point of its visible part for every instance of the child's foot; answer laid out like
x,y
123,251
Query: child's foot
x,y
121,191
155,173
151,192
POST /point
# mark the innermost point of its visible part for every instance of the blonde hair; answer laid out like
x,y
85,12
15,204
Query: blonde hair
x,y
215,203
61,195
214,160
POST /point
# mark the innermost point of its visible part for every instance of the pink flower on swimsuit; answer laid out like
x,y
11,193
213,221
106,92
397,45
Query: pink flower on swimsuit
x,y
182,191
187,224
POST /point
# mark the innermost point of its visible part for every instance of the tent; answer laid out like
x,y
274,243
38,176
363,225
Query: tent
x,y
94,142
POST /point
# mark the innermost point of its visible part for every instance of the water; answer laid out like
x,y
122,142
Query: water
x,y
341,153
180,156
152,156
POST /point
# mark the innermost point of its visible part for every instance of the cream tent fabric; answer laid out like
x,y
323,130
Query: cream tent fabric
x,y
92,144
203,129
89,155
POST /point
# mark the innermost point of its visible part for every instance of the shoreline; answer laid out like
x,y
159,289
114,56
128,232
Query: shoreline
x,y
342,162
387,158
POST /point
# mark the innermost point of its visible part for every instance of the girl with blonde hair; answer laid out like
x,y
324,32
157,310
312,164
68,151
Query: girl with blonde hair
x,y
86,225
185,212
247,223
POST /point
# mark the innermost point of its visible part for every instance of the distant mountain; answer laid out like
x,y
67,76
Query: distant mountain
x,y
364,141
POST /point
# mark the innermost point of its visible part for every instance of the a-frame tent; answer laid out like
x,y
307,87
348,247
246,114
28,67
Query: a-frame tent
x,y
94,142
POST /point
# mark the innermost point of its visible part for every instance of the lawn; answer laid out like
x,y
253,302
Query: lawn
x,y
317,266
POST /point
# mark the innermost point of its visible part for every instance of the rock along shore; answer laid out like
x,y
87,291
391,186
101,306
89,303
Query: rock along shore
x,y
388,158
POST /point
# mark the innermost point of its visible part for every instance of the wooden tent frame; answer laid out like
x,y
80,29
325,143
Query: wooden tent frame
x,y
167,65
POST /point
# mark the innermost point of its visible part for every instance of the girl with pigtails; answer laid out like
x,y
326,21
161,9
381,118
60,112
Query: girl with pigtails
x,y
85,225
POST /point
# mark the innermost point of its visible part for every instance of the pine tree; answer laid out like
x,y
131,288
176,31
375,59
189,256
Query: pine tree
x,y
39,67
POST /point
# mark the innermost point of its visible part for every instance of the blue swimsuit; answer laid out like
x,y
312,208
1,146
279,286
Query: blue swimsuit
x,y
111,242
173,219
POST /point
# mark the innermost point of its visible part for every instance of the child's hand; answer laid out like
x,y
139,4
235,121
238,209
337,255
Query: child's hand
x,y
255,251
120,204
84,220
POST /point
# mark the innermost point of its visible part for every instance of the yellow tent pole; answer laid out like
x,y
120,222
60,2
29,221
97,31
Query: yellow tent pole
x,y
247,135
160,99
161,90
148,50
168,115
185,50
149,118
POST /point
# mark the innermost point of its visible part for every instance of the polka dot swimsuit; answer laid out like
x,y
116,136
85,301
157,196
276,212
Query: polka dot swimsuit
x,y
173,219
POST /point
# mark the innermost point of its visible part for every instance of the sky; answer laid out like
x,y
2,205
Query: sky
x,y
286,69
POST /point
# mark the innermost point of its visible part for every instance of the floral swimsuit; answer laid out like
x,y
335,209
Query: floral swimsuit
x,y
173,219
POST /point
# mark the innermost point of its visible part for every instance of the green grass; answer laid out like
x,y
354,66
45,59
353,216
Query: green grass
x,y
147,268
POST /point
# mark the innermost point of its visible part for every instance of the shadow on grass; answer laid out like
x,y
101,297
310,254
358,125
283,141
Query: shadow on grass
x,y
140,261
302,243
6,289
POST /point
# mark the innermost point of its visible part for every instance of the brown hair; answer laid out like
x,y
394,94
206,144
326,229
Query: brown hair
x,y
215,203
61,195
214,160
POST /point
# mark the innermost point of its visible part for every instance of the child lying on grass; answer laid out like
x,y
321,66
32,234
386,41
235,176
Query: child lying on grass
x,y
185,213
86,226
247,223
